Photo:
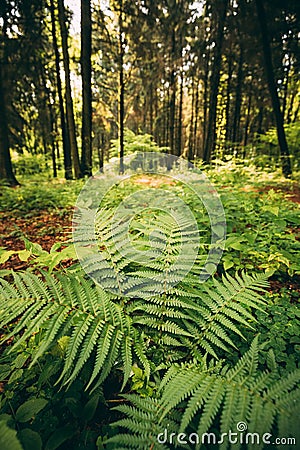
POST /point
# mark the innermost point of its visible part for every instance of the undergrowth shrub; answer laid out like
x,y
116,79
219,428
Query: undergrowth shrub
x,y
177,360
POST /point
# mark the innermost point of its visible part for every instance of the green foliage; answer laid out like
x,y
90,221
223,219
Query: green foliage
x,y
35,255
38,194
292,131
70,347
106,331
8,438
135,143
202,395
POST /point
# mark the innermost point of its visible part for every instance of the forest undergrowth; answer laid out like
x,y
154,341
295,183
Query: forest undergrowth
x,y
82,367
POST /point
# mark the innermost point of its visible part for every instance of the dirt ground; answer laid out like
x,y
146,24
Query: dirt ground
x,y
43,228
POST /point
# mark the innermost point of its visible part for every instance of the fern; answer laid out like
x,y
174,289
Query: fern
x,y
241,393
203,396
142,417
113,331
68,305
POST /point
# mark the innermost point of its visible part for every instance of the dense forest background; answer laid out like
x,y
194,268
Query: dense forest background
x,y
154,306
205,79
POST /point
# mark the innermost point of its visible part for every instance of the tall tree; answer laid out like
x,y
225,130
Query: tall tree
x,y
86,74
6,170
65,137
220,9
285,155
69,100
121,86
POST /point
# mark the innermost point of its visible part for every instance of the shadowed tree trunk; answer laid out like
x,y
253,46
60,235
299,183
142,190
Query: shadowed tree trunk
x,y
284,151
6,170
69,100
86,73
65,138
121,88
172,95
179,138
238,99
210,143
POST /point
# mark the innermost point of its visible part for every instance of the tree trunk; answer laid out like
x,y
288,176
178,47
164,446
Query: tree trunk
x,y
69,100
179,137
228,103
86,74
205,103
121,88
196,149
65,138
247,124
6,170
284,151
238,98
215,80
190,142
173,95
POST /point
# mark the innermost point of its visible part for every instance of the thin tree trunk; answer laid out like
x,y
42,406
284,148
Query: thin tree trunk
x,y
121,88
190,143
86,74
284,151
228,103
238,98
205,103
69,100
247,123
196,151
65,137
173,95
47,105
179,139
6,170
285,89
215,80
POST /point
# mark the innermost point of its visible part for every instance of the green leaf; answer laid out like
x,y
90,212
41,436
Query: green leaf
x,y
272,209
8,438
90,408
60,436
34,248
31,440
30,408
228,264
6,255
24,255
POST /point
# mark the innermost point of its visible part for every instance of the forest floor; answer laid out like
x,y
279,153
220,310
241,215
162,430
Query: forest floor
x,y
47,227
42,227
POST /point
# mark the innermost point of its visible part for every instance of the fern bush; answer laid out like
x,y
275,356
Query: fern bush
x,y
204,395
113,331
156,317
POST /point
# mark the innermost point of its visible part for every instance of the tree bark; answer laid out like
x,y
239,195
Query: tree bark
x,y
228,102
284,150
238,98
121,89
180,118
173,95
215,80
69,100
190,154
6,170
65,138
86,74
